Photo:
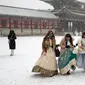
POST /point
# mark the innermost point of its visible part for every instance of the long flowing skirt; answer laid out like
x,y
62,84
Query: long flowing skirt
x,y
46,64
66,60
81,60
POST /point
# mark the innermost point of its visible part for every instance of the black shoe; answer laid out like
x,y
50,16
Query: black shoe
x,y
73,67
68,73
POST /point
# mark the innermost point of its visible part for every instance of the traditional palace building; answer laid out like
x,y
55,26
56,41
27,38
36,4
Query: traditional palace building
x,y
67,16
71,14
26,21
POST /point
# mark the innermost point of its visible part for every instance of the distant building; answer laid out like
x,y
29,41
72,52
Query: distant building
x,y
71,14
66,17
58,4
26,21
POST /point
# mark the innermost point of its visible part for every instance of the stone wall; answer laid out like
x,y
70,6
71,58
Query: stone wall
x,y
24,32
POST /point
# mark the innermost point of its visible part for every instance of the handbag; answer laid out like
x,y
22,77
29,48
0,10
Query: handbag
x,y
57,51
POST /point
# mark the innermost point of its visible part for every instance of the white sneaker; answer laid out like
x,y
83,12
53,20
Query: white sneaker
x,y
12,53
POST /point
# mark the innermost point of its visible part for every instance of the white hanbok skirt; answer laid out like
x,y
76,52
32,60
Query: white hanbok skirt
x,y
47,63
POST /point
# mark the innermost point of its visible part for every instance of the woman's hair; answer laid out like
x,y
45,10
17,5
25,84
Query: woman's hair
x,y
50,34
11,32
83,34
71,39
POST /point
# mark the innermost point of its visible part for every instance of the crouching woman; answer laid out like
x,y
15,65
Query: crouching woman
x,y
47,64
67,59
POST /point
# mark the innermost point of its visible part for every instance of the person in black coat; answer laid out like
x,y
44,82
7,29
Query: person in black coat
x,y
12,42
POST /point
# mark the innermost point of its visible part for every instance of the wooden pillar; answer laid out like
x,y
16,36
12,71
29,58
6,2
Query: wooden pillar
x,y
48,24
83,25
31,28
10,22
40,27
21,24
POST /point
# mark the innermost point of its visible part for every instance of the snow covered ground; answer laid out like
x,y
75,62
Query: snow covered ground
x,y
16,70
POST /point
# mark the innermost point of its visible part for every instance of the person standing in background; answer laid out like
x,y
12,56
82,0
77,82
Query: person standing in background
x,y
12,42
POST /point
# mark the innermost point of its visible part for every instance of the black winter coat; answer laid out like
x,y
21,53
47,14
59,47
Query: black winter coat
x,y
12,42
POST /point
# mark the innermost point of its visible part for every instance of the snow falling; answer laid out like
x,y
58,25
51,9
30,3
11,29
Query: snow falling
x,y
16,70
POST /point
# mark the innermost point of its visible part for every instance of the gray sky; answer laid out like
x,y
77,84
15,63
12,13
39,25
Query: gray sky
x,y
33,4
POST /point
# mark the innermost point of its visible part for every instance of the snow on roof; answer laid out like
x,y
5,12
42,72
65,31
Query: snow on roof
x,y
79,14
69,11
16,11
46,0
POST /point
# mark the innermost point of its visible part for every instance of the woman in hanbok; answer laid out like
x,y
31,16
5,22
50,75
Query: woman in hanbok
x,y
81,52
67,59
47,64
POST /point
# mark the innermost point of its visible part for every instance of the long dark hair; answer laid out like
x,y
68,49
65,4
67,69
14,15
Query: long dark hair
x,y
83,34
50,34
71,39
11,32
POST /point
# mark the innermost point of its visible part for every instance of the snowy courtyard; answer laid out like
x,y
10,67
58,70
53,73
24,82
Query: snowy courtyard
x,y
16,70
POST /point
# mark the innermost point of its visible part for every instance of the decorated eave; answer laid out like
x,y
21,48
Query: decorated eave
x,y
57,4
24,12
48,1
66,14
